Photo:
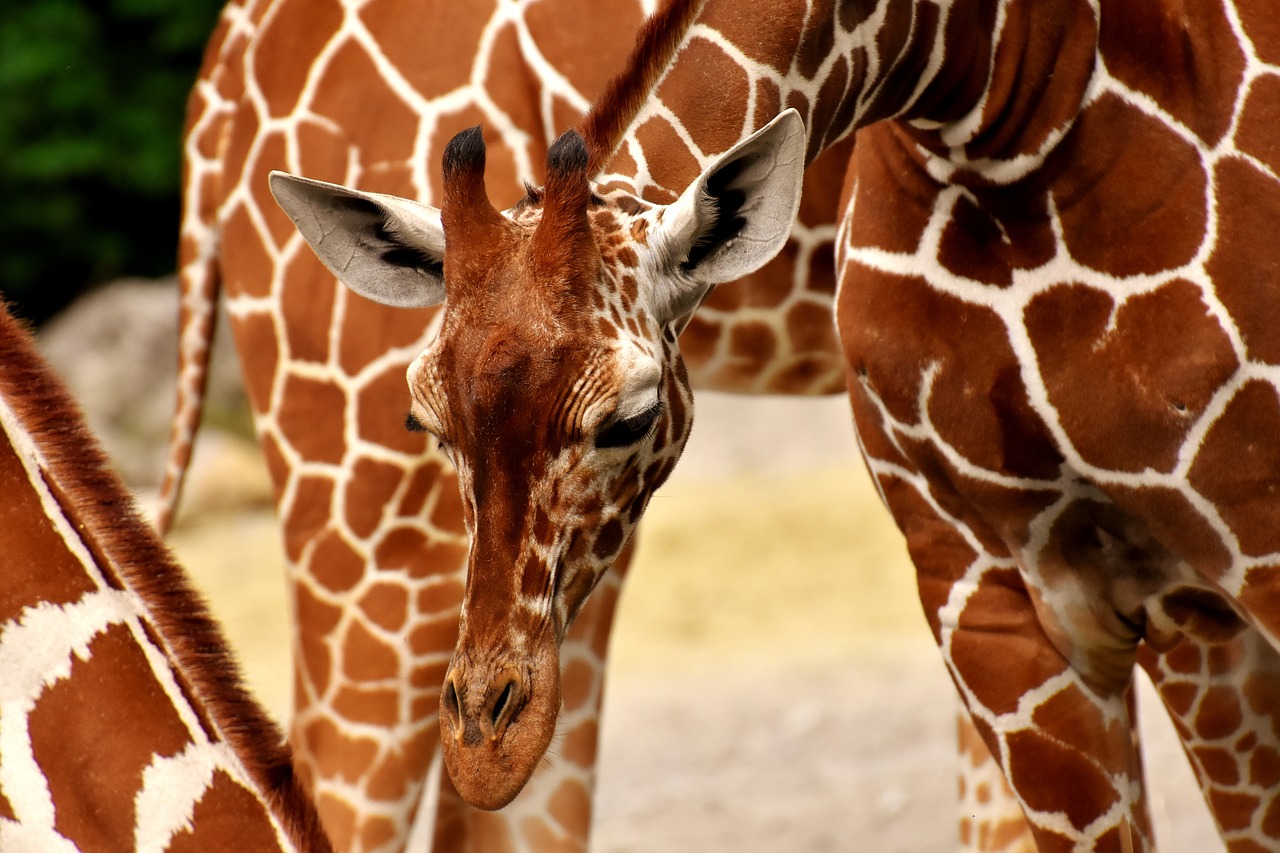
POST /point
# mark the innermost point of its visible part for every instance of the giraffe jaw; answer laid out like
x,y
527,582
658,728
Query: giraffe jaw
x,y
490,752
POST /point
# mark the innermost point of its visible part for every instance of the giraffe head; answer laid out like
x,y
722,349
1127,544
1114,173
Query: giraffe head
x,y
555,386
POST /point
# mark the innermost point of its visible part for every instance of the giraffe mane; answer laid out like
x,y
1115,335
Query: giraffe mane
x,y
613,112
101,509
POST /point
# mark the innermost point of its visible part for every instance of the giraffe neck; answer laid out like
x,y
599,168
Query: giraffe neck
x,y
845,65
122,720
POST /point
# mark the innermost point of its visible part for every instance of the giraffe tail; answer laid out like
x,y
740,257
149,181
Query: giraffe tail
x,y
200,282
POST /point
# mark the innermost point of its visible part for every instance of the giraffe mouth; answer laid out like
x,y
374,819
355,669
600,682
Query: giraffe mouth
x,y
497,719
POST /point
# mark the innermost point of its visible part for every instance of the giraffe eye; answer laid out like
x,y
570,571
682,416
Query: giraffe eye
x,y
625,432
414,424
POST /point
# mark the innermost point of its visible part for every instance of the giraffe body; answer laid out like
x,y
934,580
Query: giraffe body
x,y
123,724
1054,310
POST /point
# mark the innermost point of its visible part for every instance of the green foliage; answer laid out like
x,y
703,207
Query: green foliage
x,y
92,99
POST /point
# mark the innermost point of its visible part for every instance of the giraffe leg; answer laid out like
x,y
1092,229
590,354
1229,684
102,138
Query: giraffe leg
x,y
1220,693
1066,749
1064,745
553,812
376,615
991,819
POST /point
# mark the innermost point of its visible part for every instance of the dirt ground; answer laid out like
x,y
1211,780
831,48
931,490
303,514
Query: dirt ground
x,y
773,685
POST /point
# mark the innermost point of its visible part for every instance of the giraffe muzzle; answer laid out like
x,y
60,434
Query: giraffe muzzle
x,y
496,722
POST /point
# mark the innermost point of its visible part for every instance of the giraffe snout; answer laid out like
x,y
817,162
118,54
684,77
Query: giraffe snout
x,y
497,717
480,702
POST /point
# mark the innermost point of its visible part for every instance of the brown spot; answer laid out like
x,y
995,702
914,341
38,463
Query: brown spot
x,y
37,564
570,805
1263,29
344,96
256,344
374,706
339,820
431,637
366,657
251,273
811,328
442,596
609,539
1219,764
386,605
1243,263
227,817
1232,811
672,165
105,721
1264,767
1180,697
368,490
308,514
1069,712
1263,696
1198,36
284,45
998,624
1054,777
1128,384
1184,658
1271,818
1235,469
378,832
1112,188
577,685
320,619
335,564
579,745
311,418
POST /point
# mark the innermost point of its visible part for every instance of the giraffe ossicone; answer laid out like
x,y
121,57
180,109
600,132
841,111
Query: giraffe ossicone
x,y
555,386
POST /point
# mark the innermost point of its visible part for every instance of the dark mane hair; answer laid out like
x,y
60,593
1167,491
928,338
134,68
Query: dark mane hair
x,y
624,94
100,508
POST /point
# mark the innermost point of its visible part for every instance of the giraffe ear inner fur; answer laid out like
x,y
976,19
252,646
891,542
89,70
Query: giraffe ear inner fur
x,y
736,216
388,249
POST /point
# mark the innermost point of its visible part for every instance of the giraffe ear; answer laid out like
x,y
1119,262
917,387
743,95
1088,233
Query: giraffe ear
x,y
386,248
737,215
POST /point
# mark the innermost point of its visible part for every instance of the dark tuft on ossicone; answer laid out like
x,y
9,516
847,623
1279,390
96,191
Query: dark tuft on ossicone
x,y
465,152
568,154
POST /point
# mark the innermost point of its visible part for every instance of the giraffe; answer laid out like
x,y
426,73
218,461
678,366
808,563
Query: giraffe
x,y
1054,314
372,521
123,722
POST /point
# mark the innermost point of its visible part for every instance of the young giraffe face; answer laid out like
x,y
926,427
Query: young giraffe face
x,y
555,385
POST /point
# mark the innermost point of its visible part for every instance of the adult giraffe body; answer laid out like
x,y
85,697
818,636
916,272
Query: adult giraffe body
x,y
1055,310
123,725
367,93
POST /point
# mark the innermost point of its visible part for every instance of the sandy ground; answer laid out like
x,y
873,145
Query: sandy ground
x,y
773,687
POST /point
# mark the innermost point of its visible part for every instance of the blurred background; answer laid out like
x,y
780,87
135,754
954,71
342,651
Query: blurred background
x,y
92,99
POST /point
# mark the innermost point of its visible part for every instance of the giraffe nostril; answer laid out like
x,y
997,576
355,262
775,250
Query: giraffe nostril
x,y
450,700
500,705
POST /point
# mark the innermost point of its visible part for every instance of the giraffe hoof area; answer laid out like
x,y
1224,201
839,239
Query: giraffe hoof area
x,y
496,722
